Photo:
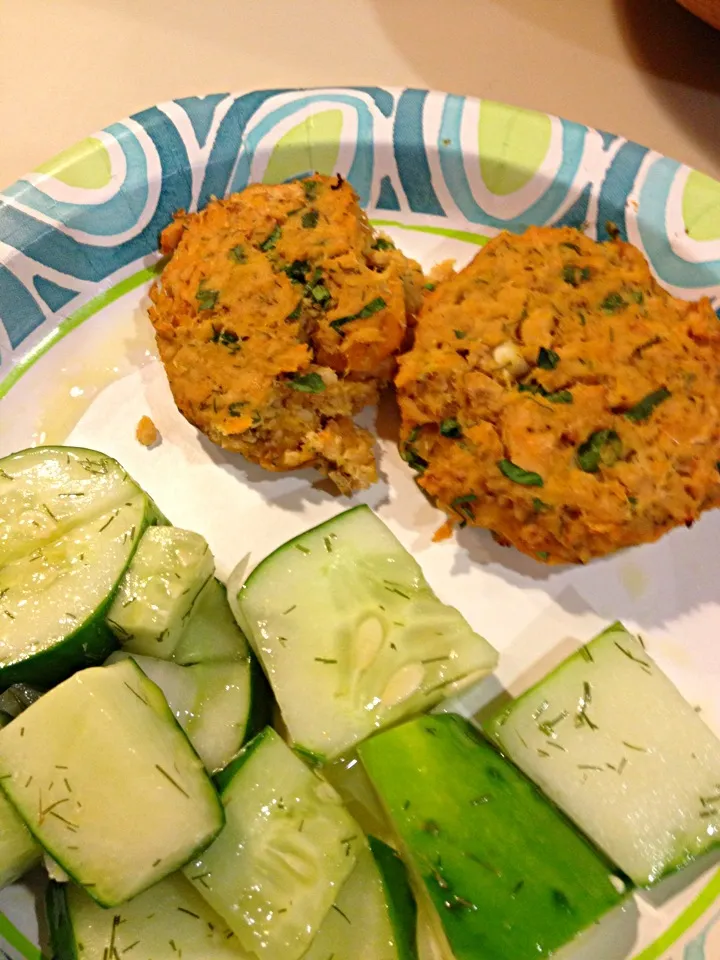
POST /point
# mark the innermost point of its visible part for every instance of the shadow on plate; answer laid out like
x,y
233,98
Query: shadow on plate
x,y
678,55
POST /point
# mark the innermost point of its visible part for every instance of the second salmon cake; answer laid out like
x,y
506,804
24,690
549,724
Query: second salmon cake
x,y
558,396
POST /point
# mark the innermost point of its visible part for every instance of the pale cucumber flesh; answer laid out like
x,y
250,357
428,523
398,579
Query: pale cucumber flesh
x,y
364,924
613,743
108,783
169,920
211,632
286,849
344,610
45,491
18,849
157,593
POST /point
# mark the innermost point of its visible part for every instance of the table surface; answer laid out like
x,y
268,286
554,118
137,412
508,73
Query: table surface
x,y
642,68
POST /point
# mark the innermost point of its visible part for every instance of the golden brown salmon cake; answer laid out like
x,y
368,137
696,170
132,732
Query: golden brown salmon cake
x,y
556,395
277,317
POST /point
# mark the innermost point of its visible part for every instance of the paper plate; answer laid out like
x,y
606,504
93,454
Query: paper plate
x,y
440,173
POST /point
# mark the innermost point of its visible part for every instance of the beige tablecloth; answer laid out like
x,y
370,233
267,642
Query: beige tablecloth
x,y
642,68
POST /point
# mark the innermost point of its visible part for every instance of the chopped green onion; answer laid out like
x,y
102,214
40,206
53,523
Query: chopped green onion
x,y
450,428
271,242
297,270
547,359
603,447
527,478
641,411
367,311
307,383
613,302
238,254
310,219
462,506
206,298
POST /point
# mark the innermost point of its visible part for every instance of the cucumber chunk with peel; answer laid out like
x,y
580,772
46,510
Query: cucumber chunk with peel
x,y
211,632
344,610
107,782
507,874
54,599
157,593
169,920
218,705
286,849
374,917
613,743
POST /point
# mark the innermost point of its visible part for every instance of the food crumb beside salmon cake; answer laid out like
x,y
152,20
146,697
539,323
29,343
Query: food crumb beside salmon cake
x,y
558,396
278,317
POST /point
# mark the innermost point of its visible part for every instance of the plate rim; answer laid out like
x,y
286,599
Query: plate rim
x,y
62,320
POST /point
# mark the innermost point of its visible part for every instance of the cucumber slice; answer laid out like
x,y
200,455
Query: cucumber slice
x,y
218,705
18,850
107,782
159,589
287,847
610,740
46,491
211,632
374,917
345,611
507,874
169,920
52,612
18,698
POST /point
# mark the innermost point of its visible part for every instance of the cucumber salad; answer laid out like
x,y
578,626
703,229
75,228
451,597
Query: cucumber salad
x,y
170,747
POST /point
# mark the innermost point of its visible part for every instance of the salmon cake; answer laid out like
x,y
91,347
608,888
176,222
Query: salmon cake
x,y
556,395
278,317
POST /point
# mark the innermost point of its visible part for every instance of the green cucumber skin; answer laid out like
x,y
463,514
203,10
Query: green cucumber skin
x,y
402,910
261,701
527,883
225,777
90,645
62,937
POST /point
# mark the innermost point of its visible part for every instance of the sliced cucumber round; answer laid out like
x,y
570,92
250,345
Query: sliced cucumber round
x,y
46,491
53,600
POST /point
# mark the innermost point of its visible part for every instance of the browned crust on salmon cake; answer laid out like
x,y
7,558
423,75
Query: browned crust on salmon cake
x,y
558,396
278,317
